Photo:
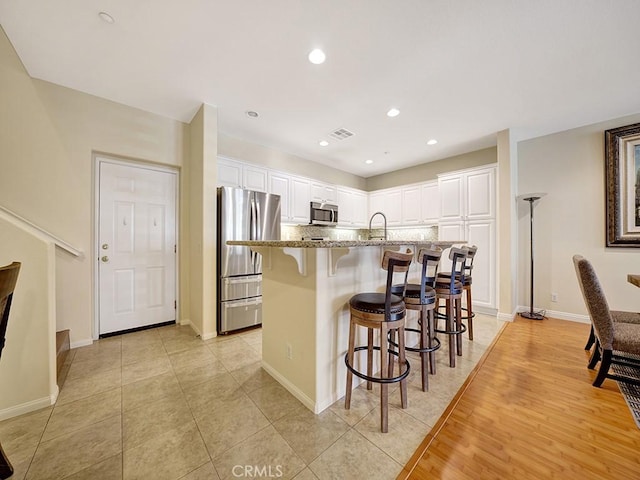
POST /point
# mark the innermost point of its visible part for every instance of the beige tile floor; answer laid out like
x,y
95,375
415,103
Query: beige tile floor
x,y
162,404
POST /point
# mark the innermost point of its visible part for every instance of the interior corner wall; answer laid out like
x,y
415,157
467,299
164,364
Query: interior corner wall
x,y
48,135
506,244
202,191
285,162
569,167
430,171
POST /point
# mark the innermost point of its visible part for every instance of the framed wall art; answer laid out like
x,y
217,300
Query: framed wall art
x,y
622,163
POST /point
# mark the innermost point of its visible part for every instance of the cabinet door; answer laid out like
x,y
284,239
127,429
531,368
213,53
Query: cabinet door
x,y
360,217
393,207
411,205
279,185
299,200
429,203
480,194
481,233
451,191
254,178
323,193
377,204
229,174
451,231
345,207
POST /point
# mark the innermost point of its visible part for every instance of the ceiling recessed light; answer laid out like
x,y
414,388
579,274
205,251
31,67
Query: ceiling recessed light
x,y
323,143
317,56
252,114
394,112
433,141
368,162
104,16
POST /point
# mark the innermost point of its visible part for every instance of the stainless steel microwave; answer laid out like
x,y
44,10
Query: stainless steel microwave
x,y
323,214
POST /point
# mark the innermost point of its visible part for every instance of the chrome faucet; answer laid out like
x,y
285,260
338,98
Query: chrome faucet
x,y
385,224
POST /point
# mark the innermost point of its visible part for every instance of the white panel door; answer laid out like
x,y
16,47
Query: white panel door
x,y
136,252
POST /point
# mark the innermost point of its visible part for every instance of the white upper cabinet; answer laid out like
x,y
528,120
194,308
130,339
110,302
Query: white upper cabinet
x,y
232,173
254,178
388,202
467,195
299,199
429,202
229,173
411,211
352,207
279,185
323,192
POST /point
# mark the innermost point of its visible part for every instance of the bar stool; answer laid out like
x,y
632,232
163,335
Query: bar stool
x,y
383,312
422,298
450,290
466,286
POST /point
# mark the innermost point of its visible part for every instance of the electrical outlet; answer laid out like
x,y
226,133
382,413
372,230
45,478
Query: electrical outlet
x,y
554,297
289,351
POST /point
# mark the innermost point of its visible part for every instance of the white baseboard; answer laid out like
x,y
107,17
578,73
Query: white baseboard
x,y
293,390
571,317
27,407
81,343
507,317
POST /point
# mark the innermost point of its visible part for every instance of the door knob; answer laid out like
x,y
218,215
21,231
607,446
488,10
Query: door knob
x,y
105,258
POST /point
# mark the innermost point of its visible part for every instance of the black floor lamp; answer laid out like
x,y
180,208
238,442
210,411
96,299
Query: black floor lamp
x,y
531,197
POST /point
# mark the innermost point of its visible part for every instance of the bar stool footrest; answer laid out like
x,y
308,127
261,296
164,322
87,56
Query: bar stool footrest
x,y
418,350
359,374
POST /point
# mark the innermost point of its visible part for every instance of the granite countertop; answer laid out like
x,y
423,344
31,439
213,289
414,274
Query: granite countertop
x,y
341,243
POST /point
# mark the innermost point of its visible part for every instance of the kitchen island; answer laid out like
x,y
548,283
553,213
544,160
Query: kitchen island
x,y
305,312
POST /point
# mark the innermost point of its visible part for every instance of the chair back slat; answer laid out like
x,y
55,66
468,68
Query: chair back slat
x,y
595,300
430,259
8,280
395,262
458,257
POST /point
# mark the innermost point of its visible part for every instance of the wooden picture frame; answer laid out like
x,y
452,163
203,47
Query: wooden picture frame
x,y
622,169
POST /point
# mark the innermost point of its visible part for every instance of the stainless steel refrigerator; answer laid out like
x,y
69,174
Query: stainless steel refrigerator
x,y
242,215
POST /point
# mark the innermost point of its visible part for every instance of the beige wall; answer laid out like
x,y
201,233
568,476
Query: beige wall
x,y
569,167
431,170
202,193
26,377
285,162
48,135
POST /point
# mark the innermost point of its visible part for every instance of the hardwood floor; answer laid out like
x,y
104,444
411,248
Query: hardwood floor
x,y
529,411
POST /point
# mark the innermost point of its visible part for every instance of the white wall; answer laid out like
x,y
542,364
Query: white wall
x,y
569,166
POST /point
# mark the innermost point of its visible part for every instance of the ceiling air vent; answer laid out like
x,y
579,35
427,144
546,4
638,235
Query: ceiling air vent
x,y
341,134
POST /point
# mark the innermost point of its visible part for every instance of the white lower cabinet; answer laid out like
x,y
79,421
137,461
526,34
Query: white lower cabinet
x,y
482,234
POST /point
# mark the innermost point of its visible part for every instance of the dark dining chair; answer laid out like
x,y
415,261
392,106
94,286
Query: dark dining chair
x,y
8,279
614,341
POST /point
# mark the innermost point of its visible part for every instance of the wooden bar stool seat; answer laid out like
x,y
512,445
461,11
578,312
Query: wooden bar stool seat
x,y
384,312
422,298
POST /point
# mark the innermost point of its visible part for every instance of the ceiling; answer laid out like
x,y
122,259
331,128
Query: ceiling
x,y
458,71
